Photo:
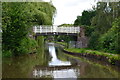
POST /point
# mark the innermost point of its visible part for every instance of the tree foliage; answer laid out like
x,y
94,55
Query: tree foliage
x,y
110,40
102,26
65,25
85,19
106,28
18,18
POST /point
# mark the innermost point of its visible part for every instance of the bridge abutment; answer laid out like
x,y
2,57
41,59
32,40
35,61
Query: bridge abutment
x,y
82,40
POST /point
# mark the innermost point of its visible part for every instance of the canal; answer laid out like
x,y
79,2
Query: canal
x,y
51,62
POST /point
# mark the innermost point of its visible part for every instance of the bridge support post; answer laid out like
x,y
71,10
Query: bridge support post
x,y
82,40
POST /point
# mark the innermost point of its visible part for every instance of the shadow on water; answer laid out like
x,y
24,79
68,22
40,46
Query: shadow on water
x,y
51,62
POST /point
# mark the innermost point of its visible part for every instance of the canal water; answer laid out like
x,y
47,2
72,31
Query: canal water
x,y
51,62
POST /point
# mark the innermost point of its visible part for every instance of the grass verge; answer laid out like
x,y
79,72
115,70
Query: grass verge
x,y
111,58
62,43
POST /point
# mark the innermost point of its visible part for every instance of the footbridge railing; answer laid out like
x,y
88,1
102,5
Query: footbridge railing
x,y
55,29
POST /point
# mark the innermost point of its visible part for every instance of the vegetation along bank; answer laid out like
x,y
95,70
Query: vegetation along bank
x,y
18,20
113,59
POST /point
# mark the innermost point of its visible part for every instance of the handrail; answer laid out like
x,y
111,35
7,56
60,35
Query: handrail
x,y
52,29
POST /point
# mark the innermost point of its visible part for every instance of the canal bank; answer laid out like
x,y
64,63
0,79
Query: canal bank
x,y
108,58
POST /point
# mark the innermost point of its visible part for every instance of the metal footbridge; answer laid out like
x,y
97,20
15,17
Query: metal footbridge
x,y
55,30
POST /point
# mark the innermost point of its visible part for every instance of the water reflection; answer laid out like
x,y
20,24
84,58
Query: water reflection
x,y
51,62
55,61
63,73
57,68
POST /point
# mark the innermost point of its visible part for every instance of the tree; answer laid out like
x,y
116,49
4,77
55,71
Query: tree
x,y
105,34
77,21
65,25
102,26
86,18
110,40
15,26
17,19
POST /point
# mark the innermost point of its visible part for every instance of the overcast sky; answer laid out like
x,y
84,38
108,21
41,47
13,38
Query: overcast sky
x,y
68,10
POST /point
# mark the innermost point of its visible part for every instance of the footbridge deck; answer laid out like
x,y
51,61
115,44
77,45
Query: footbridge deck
x,y
55,30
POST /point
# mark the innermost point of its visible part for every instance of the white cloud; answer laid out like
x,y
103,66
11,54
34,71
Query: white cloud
x,y
68,10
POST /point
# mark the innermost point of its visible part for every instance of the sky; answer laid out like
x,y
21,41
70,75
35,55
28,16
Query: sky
x,y
68,10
